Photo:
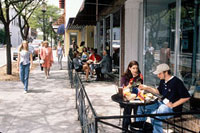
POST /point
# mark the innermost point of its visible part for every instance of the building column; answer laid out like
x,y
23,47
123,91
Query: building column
x,y
132,30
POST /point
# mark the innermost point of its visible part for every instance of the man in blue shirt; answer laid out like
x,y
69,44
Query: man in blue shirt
x,y
174,95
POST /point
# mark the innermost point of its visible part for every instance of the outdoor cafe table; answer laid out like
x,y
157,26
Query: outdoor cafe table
x,y
134,104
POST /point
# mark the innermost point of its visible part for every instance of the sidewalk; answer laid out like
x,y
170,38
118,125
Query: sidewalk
x,y
49,107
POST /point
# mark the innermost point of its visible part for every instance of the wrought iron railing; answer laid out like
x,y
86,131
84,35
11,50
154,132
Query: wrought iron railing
x,y
92,123
70,71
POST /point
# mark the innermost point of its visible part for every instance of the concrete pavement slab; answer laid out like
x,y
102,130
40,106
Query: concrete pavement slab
x,y
49,107
100,93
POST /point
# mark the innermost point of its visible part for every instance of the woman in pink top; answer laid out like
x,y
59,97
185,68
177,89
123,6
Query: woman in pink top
x,y
47,56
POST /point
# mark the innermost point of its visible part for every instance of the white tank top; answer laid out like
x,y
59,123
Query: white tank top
x,y
25,57
60,50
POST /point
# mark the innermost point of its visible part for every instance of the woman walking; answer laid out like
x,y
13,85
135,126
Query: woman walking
x,y
39,55
24,63
59,53
47,56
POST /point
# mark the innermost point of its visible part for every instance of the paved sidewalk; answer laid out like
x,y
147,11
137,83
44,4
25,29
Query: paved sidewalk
x,y
47,108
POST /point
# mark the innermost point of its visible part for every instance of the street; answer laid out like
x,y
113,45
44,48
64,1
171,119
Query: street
x,y
3,59
3,56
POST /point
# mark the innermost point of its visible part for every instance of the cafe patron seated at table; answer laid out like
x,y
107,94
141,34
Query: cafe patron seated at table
x,y
80,66
174,95
129,81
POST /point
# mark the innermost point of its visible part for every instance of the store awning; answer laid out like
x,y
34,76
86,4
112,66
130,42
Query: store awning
x,y
61,29
59,24
86,14
71,26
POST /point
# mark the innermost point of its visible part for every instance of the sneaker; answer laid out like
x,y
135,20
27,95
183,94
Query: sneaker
x,y
25,92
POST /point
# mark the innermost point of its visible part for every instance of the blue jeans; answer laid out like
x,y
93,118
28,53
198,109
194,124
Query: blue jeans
x,y
156,108
24,74
60,56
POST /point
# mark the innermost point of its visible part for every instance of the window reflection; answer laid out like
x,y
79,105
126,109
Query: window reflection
x,y
101,37
159,36
189,43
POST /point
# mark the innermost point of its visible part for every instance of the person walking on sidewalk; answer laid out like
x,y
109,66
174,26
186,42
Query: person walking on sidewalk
x,y
24,63
59,53
39,55
47,56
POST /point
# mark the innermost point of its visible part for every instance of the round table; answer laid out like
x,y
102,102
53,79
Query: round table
x,y
119,99
134,104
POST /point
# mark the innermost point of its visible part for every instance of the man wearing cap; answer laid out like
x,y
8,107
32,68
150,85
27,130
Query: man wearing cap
x,y
174,95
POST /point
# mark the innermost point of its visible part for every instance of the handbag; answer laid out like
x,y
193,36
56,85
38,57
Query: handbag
x,y
41,61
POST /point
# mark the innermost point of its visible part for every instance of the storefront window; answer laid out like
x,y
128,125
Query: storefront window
x,y
101,38
160,18
161,33
107,38
116,39
189,67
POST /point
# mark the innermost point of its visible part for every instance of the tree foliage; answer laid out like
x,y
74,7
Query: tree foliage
x,y
36,20
6,19
25,16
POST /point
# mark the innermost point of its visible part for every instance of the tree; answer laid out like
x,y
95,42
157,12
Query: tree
x,y
2,36
6,18
25,16
36,20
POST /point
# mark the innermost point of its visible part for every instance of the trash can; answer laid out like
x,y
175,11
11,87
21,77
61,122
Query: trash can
x,y
141,127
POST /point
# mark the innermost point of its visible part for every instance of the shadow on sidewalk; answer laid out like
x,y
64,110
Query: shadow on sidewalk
x,y
38,91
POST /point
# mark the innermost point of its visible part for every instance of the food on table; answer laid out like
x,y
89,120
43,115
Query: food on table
x,y
141,96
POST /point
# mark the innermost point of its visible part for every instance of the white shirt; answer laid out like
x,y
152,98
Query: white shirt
x,y
25,57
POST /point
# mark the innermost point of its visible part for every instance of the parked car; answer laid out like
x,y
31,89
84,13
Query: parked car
x,y
36,42
35,50
31,49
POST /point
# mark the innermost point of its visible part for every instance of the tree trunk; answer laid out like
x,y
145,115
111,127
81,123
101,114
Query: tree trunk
x,y
26,32
8,49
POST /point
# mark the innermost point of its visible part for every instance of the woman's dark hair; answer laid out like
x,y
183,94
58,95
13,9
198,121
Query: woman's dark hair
x,y
84,49
128,73
82,43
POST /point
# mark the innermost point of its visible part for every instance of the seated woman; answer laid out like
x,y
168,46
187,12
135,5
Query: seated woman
x,y
85,55
79,66
130,80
